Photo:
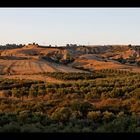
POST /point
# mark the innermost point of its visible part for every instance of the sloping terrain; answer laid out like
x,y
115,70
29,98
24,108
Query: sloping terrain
x,y
27,60
94,64
32,66
107,58
33,59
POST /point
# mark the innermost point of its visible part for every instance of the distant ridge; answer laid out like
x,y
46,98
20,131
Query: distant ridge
x,y
31,46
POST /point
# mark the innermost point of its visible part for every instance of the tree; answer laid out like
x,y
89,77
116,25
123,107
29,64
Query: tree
x,y
41,90
138,63
61,114
67,45
23,92
83,107
107,116
94,115
32,91
120,114
121,60
69,57
15,92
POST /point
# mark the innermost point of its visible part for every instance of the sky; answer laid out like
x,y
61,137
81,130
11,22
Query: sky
x,y
61,26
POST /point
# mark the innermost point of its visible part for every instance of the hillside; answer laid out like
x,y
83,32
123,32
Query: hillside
x,y
34,59
70,89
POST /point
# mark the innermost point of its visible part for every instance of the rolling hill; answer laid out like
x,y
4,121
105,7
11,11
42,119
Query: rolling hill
x,y
34,59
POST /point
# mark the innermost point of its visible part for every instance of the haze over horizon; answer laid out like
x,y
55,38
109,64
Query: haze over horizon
x,y
61,26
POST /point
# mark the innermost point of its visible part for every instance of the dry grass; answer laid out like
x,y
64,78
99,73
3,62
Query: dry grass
x,y
22,62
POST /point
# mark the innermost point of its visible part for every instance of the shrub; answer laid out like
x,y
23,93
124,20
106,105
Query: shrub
x,y
61,114
107,116
94,115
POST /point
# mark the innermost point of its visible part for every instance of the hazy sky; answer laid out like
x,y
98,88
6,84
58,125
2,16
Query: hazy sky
x,y
59,26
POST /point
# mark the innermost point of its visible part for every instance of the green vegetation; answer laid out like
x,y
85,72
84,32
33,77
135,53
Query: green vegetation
x,y
107,103
74,76
138,63
10,46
